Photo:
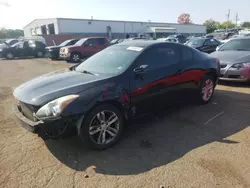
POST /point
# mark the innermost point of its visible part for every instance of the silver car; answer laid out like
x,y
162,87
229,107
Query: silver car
x,y
169,39
234,59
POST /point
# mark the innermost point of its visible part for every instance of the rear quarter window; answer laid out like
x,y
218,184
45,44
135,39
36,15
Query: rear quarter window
x,y
187,54
101,41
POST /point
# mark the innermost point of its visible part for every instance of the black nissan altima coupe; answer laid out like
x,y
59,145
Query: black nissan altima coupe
x,y
117,84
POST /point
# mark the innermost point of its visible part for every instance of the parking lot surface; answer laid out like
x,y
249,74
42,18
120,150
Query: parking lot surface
x,y
183,146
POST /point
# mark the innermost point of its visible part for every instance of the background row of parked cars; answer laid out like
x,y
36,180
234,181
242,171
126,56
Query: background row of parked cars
x,y
73,50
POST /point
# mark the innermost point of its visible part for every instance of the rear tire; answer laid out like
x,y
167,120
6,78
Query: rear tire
x,y
206,89
94,125
75,57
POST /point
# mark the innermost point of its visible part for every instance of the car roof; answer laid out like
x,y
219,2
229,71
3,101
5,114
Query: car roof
x,y
139,43
145,43
94,37
243,37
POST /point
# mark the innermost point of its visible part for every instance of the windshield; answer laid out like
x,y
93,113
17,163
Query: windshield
x,y
80,42
8,41
112,60
64,43
20,44
237,44
196,42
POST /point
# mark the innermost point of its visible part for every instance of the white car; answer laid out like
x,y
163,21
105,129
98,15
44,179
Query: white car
x,y
169,39
226,40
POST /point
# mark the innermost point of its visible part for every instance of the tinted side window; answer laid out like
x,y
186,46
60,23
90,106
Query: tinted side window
x,y
207,42
101,41
25,44
13,42
187,54
157,57
91,42
214,42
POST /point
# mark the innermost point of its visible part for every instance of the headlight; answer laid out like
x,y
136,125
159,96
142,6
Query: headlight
x,y
1,50
53,109
241,65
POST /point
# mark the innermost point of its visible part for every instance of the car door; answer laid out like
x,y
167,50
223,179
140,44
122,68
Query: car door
x,y
153,81
90,47
26,50
20,48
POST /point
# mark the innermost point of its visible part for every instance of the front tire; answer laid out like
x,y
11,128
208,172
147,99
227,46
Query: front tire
x,y
206,89
102,127
9,55
75,57
39,54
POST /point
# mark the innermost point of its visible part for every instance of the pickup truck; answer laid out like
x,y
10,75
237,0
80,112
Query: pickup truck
x,y
84,48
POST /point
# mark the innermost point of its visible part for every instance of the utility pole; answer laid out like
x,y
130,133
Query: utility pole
x,y
228,17
237,19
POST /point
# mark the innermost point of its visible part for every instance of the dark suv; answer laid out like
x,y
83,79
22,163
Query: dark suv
x,y
53,51
204,44
24,49
85,47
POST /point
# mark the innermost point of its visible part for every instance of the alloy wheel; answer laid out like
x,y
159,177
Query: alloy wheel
x,y
76,57
39,54
207,90
104,127
9,55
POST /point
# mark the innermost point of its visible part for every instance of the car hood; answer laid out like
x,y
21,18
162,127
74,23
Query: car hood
x,y
72,47
52,47
232,57
3,46
48,87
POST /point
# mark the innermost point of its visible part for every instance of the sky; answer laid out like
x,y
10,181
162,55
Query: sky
x,y
16,14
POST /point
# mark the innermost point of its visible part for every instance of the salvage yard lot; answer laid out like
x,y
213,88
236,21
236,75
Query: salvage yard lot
x,y
184,146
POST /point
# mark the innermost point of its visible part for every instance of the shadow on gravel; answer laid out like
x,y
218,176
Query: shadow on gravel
x,y
234,84
154,141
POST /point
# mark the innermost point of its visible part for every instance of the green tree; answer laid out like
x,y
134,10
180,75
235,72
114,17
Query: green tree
x,y
245,24
227,25
211,25
10,33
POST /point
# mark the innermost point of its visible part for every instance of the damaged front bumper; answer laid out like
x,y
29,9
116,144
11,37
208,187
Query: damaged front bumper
x,y
43,127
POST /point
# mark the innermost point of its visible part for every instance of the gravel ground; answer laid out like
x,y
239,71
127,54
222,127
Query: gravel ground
x,y
184,146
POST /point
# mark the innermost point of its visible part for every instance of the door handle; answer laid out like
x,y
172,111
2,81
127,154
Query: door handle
x,y
179,71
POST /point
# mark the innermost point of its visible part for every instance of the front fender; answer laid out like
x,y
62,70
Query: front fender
x,y
97,95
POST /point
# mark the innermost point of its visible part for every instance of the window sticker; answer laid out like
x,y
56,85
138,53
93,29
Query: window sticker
x,y
135,48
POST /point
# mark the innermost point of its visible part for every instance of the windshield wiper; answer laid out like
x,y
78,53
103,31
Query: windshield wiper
x,y
87,72
241,50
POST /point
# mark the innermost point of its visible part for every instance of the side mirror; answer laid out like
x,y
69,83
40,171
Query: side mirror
x,y
73,67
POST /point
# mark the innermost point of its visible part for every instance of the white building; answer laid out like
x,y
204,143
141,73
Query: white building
x,y
109,28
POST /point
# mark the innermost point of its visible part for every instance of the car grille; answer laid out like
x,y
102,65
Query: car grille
x,y
223,65
27,110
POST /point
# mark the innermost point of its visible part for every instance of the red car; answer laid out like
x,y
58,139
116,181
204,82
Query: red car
x,y
85,47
